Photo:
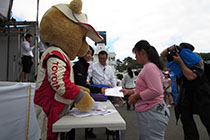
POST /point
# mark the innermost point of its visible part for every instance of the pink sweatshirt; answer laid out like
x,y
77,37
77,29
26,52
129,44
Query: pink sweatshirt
x,y
149,86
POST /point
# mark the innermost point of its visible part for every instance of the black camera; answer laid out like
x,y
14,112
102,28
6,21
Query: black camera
x,y
178,49
173,52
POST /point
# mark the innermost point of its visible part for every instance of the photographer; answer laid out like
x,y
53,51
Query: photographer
x,y
194,97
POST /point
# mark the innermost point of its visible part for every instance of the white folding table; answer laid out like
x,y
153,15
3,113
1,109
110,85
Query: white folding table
x,y
112,121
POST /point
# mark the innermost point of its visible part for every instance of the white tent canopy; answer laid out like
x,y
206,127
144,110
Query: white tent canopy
x,y
5,8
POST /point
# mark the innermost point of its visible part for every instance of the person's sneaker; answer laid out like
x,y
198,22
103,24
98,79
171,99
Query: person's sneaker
x,y
90,134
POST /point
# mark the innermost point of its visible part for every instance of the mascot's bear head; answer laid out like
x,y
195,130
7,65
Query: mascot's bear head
x,y
66,27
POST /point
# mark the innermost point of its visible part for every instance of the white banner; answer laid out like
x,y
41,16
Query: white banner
x,y
15,123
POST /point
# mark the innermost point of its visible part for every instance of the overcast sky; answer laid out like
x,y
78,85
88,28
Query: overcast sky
x,y
161,22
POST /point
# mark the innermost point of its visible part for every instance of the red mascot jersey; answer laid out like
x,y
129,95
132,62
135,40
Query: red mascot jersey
x,y
54,80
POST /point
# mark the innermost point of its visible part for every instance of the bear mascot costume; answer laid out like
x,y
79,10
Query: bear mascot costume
x,y
64,28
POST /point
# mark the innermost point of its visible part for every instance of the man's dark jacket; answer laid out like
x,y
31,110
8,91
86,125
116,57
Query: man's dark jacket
x,y
81,73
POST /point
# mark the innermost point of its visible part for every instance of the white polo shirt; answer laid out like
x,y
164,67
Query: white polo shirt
x,y
101,74
26,50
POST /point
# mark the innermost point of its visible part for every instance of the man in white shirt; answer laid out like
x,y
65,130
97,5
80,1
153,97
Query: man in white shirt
x,y
100,72
42,48
27,57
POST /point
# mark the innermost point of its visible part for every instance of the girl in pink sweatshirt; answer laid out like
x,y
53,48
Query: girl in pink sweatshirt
x,y
152,113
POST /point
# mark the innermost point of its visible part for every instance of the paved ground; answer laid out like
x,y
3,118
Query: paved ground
x,y
173,131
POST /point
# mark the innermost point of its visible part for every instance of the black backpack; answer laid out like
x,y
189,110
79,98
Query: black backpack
x,y
207,70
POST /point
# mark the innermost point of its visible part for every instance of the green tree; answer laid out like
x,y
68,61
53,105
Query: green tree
x,y
205,56
127,62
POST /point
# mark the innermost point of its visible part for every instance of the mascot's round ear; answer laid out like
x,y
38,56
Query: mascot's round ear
x,y
73,12
76,6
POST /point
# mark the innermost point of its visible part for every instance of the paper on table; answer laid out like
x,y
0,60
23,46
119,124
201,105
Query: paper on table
x,y
93,112
114,92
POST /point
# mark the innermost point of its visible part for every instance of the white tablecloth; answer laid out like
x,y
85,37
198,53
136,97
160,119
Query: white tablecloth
x,y
112,122
14,103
